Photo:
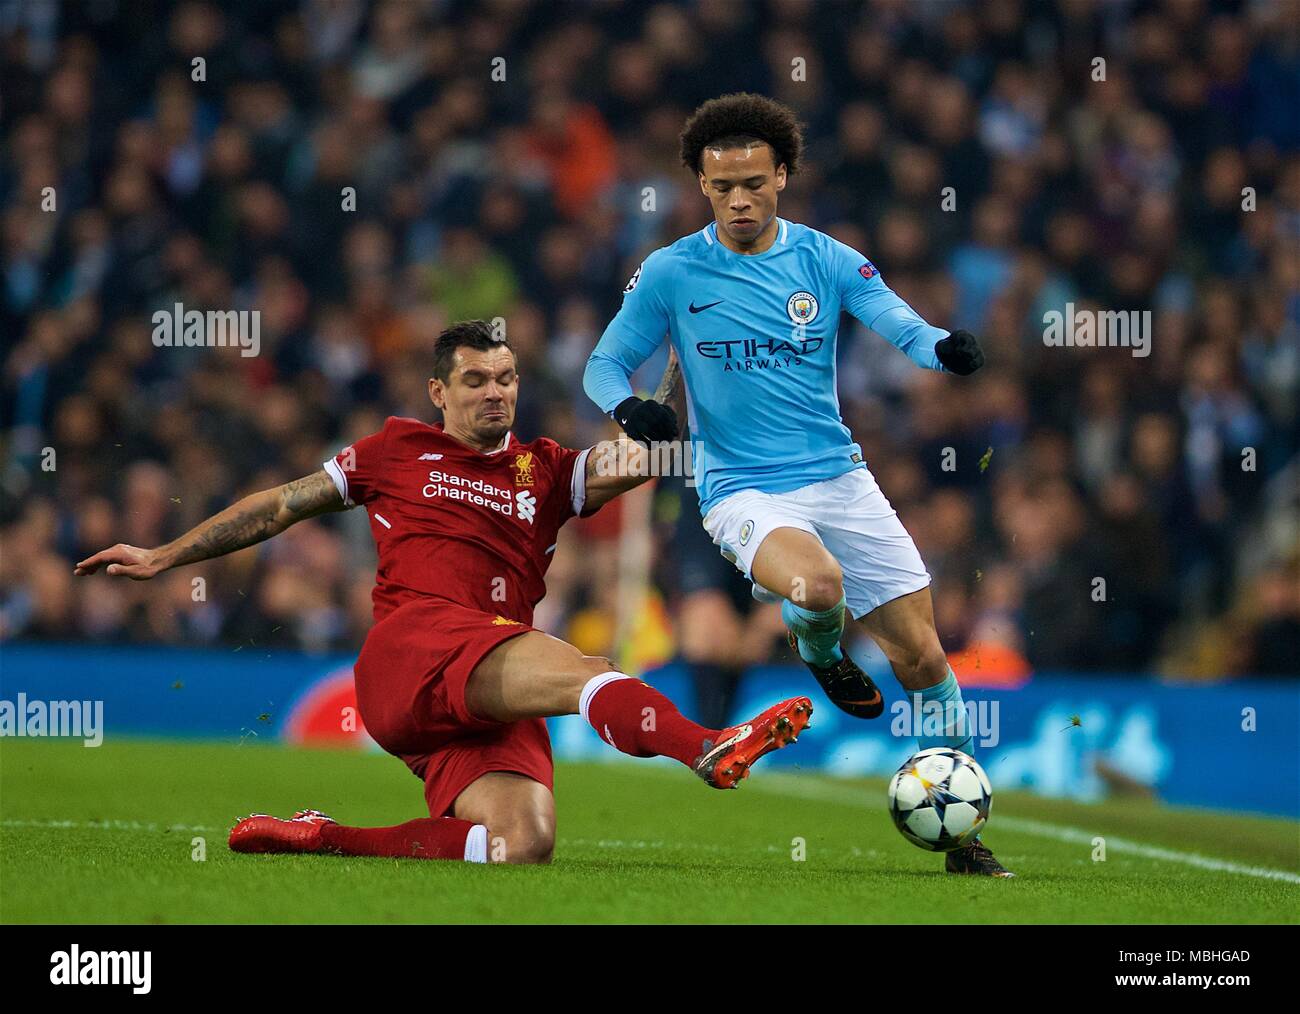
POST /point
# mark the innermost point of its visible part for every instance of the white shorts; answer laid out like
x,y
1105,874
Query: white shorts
x,y
849,515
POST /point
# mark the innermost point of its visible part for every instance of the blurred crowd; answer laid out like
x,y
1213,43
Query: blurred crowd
x,y
363,174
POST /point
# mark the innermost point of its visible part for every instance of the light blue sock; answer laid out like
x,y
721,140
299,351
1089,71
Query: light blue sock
x,y
817,633
956,726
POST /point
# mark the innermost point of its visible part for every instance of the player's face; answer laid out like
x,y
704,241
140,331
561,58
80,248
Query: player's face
x,y
478,399
742,184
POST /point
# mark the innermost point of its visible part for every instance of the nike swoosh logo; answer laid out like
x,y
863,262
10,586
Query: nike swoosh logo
x,y
696,309
874,700
742,734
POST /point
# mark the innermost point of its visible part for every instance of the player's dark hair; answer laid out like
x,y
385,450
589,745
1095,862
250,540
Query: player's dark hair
x,y
732,121
464,334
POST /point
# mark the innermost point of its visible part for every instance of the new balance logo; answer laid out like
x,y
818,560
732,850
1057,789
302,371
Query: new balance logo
x,y
429,457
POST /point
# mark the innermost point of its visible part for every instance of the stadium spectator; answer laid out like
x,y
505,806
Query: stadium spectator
x,y
359,176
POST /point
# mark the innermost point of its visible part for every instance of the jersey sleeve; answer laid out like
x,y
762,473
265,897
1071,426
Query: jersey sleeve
x,y
356,469
865,295
571,485
568,492
632,337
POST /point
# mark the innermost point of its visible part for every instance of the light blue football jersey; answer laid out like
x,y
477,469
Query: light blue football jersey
x,y
756,337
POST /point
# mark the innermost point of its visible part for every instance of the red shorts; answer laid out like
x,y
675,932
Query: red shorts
x,y
411,676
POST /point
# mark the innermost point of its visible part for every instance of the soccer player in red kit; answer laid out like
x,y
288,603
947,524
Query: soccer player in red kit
x,y
452,678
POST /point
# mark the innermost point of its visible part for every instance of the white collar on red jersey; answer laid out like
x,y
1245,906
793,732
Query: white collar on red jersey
x,y
504,444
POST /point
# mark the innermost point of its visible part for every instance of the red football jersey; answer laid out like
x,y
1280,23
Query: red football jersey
x,y
451,522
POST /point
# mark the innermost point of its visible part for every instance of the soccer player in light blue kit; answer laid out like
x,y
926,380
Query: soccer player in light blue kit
x,y
751,305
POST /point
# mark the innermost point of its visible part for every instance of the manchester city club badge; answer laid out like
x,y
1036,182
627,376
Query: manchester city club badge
x,y
802,307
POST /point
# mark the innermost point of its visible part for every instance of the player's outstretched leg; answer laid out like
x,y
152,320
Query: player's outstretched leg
x,y
725,764
309,831
634,717
535,675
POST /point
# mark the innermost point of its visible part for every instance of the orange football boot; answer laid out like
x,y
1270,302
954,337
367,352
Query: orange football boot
x,y
726,763
263,833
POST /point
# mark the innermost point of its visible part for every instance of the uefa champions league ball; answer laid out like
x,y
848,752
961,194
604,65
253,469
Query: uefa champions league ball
x,y
940,799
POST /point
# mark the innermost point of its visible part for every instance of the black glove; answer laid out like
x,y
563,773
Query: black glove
x,y
960,353
644,421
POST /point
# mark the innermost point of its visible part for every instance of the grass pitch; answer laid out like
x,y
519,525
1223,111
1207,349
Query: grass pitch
x,y
112,834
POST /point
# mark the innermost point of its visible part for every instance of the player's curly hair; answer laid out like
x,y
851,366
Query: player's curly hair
x,y
740,118
472,334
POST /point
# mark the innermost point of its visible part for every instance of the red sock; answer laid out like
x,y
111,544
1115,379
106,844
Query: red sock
x,y
426,838
637,719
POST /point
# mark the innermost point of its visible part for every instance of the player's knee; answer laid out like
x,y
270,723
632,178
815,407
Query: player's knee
x,y
933,664
531,851
822,589
922,668
522,842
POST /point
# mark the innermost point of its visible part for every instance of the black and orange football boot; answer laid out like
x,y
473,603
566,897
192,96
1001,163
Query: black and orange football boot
x,y
848,687
976,859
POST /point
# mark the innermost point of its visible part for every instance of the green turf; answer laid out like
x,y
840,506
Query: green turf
x,y
105,835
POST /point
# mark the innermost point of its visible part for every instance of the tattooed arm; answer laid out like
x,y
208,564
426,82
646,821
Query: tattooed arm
x,y
672,390
251,520
615,466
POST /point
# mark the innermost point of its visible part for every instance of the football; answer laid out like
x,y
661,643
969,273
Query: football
x,y
940,799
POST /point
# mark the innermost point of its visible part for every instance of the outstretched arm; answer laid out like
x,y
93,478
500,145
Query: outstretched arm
x,y
904,328
865,295
251,520
615,466
632,337
957,352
